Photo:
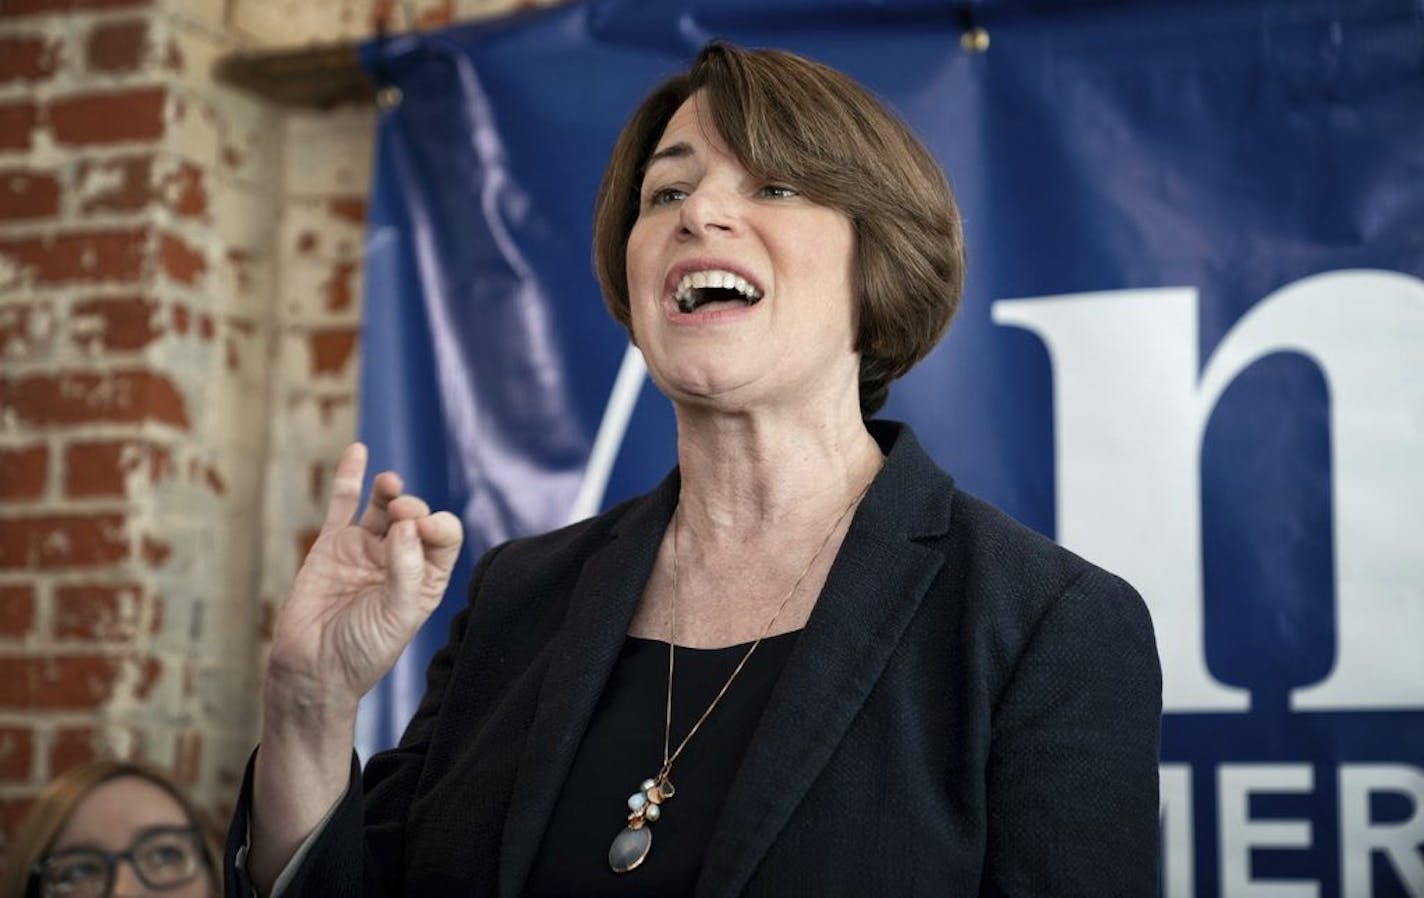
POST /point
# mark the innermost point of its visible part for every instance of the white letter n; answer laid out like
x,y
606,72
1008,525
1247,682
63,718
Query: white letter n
x,y
1130,413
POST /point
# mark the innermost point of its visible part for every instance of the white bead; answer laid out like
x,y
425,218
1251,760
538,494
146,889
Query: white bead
x,y
636,801
652,812
647,784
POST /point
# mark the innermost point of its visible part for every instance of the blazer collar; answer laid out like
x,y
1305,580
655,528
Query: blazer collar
x,y
582,656
873,589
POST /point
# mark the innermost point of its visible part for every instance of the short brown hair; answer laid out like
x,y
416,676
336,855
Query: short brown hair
x,y
56,804
787,118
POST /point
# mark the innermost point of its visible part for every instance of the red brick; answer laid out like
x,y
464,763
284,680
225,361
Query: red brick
x,y
71,747
127,323
155,551
109,117
183,191
436,16
241,261
17,752
331,350
180,261
352,209
17,610
57,540
98,469
188,756
173,57
305,540
23,472
86,397
97,611
149,675
26,329
57,682
36,7
126,184
17,121
160,464
316,481
28,194
79,256
338,288
12,811
116,47
28,59
267,618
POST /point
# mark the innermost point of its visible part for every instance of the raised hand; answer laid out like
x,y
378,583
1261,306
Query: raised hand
x,y
363,591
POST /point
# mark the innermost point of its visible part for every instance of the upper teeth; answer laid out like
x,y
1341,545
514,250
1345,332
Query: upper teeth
x,y
714,278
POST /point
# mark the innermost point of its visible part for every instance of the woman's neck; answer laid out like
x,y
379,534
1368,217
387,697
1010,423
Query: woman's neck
x,y
750,474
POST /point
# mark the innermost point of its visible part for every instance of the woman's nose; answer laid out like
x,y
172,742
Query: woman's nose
x,y
709,209
126,881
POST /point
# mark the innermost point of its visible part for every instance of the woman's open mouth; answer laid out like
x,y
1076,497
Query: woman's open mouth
x,y
714,289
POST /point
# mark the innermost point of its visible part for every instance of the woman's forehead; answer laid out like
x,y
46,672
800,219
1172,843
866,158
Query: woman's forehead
x,y
116,809
691,131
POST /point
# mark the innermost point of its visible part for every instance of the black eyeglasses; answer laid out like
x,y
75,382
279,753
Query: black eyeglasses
x,y
163,858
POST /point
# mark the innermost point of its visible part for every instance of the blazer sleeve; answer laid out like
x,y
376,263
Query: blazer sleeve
x,y
359,852
1072,774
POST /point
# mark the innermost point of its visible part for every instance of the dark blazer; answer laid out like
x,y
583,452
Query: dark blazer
x,y
970,710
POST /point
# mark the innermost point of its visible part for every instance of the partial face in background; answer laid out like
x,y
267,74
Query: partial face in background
x,y
741,290
128,814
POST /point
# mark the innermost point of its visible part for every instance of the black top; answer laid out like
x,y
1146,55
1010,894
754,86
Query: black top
x,y
624,746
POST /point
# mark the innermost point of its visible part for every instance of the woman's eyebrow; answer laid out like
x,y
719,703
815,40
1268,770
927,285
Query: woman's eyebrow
x,y
678,150
145,832
74,847
158,829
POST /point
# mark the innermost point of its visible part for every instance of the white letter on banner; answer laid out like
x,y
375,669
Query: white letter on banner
x,y
1178,854
1127,453
1400,842
1239,834
1130,418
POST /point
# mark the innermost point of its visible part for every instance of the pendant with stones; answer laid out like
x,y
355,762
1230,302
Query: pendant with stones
x,y
631,846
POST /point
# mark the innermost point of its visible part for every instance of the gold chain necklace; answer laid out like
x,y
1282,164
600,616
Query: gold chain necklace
x,y
631,846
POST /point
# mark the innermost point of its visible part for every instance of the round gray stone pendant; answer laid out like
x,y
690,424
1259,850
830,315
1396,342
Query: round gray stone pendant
x,y
629,848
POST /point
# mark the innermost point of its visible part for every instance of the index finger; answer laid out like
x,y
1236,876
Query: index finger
x,y
346,487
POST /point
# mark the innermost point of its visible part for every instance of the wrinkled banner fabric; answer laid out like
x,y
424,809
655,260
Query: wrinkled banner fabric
x,y
1191,349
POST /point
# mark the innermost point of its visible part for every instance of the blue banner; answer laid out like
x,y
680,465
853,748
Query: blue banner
x,y
1190,349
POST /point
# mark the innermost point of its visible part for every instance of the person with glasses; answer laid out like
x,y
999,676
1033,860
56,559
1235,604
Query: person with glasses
x,y
111,828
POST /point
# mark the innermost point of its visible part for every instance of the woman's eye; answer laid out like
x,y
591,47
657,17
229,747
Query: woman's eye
x,y
664,195
167,855
74,872
778,191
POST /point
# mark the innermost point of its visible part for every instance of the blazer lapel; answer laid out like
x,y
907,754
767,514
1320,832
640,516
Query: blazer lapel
x,y
582,656
873,590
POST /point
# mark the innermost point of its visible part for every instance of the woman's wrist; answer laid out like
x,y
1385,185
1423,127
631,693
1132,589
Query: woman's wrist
x,y
297,698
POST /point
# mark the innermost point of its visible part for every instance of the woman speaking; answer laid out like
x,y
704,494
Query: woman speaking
x,y
805,664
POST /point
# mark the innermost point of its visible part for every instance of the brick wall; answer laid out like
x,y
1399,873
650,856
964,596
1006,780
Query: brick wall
x,y
179,310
